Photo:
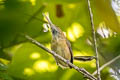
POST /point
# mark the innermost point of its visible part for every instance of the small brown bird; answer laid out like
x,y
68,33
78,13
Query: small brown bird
x,y
60,44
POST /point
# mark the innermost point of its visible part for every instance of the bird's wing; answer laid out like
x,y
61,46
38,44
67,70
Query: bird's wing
x,y
70,49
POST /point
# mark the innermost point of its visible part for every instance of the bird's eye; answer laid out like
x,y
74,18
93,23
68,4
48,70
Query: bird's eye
x,y
54,31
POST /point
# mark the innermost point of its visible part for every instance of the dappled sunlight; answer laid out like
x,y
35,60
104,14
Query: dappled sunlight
x,y
72,6
35,55
40,66
44,66
26,34
71,35
33,2
48,46
2,6
75,31
28,72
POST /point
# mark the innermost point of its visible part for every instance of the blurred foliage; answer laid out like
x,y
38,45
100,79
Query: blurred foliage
x,y
21,60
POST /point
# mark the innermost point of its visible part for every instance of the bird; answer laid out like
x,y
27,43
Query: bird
x,y
60,44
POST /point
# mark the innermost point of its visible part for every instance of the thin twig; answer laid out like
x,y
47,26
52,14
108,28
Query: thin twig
x,y
34,17
94,39
81,70
107,64
36,13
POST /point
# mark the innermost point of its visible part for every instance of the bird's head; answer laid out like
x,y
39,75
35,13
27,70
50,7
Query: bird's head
x,y
55,30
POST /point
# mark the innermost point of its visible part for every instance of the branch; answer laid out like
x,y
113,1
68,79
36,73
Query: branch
x,y
107,64
94,39
84,58
81,70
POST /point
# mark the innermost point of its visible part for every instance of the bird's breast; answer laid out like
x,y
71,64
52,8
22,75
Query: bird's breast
x,y
60,47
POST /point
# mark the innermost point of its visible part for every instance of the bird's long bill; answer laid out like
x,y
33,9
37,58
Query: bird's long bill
x,y
52,26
